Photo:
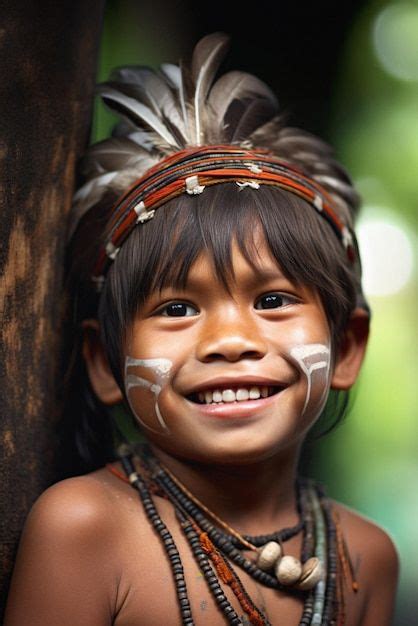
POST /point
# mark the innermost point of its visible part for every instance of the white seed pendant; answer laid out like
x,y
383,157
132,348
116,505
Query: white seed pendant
x,y
268,555
288,570
312,572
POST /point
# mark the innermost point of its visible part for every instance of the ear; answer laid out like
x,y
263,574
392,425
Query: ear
x,y
352,350
101,378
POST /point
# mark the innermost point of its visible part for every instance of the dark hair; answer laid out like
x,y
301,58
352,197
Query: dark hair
x,y
162,251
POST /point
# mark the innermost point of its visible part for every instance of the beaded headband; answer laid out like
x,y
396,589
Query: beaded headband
x,y
190,171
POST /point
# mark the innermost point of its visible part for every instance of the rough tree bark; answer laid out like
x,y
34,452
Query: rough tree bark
x,y
48,54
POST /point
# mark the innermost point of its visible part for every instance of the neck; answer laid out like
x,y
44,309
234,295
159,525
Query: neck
x,y
254,499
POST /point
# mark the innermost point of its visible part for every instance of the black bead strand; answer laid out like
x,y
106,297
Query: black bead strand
x,y
330,606
208,572
220,541
166,539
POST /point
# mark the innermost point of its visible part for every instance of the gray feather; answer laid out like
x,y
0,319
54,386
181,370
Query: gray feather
x,y
172,73
250,113
186,95
145,139
338,186
237,86
153,90
113,155
207,57
86,197
136,111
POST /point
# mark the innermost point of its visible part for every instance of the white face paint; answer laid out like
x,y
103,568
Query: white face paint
x,y
161,369
314,360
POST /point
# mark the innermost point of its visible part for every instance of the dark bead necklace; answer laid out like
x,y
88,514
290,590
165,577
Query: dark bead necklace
x,y
167,540
221,540
215,550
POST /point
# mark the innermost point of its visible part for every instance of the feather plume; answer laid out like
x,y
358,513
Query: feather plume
x,y
174,107
155,91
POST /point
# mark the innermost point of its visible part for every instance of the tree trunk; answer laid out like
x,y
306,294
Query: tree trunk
x,y
48,54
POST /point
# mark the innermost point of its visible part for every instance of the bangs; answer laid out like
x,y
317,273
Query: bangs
x,y
188,226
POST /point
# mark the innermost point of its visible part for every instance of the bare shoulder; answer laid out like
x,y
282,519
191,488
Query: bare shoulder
x,y
368,539
68,545
81,505
376,564
76,509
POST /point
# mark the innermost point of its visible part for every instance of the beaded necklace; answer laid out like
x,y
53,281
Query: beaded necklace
x,y
216,552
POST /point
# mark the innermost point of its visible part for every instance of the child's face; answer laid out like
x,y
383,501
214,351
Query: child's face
x,y
189,347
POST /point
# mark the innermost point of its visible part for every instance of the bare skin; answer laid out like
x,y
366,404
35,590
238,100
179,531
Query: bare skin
x,y
88,556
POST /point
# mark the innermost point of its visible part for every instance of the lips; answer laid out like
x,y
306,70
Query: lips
x,y
237,411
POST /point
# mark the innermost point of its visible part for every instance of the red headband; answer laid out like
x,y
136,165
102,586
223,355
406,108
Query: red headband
x,y
191,170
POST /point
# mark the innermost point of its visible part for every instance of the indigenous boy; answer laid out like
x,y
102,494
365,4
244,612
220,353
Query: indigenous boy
x,y
224,321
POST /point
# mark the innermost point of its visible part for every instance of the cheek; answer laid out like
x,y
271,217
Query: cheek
x,y
314,363
145,380
307,347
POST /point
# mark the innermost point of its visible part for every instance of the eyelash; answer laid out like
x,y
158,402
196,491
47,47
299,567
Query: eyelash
x,y
172,304
282,296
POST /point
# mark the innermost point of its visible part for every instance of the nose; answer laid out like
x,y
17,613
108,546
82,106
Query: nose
x,y
231,336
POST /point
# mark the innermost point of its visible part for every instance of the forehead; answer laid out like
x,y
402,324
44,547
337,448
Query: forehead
x,y
249,265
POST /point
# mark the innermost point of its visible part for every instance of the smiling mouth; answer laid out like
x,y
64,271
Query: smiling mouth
x,y
227,395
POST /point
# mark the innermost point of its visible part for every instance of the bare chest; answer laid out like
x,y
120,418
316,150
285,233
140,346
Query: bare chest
x,y
152,599
147,593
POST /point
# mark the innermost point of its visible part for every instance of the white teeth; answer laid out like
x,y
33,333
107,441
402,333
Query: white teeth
x,y
230,395
242,394
217,396
254,393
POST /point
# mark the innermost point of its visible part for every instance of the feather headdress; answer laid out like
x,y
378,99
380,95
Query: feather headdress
x,y
177,107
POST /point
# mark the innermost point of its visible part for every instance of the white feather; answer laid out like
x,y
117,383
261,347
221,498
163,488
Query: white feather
x,y
172,72
206,59
134,109
87,196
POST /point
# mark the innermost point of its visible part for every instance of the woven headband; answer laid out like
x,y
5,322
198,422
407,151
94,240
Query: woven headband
x,y
190,171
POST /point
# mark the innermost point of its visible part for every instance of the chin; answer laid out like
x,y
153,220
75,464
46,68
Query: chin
x,y
235,449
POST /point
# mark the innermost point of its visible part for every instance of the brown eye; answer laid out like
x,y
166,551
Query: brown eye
x,y
274,301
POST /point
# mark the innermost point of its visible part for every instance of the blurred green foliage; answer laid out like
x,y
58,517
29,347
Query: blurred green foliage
x,y
371,461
